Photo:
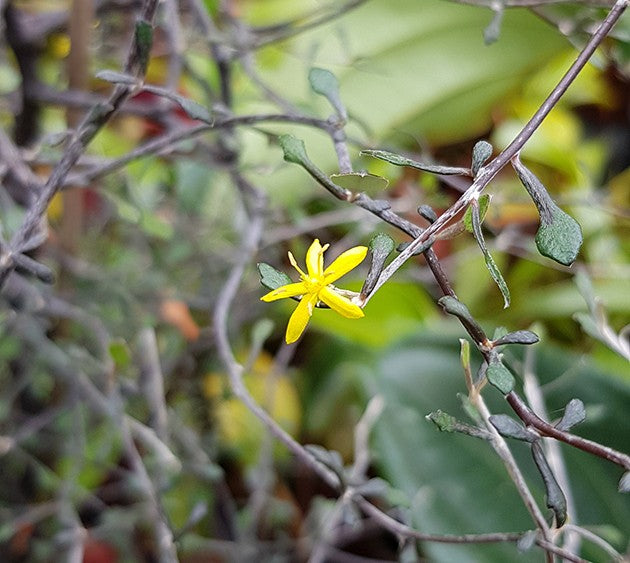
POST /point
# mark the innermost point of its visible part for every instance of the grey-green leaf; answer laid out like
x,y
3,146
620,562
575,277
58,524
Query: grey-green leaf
x,y
559,236
555,497
525,337
574,413
624,483
501,377
325,83
510,428
380,247
454,306
482,151
116,77
294,149
399,160
444,421
490,263
561,239
272,278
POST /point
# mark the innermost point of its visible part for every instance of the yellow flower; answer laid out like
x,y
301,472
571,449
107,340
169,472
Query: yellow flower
x,y
316,286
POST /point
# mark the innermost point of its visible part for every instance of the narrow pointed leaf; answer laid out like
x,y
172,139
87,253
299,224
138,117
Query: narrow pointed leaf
x,y
482,151
484,201
455,307
272,278
490,263
574,413
555,497
399,160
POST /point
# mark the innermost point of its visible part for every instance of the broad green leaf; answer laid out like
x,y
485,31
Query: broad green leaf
x,y
395,310
455,481
272,278
559,236
560,239
399,160
360,182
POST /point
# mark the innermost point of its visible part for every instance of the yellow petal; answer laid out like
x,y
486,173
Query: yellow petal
x,y
345,262
315,259
340,304
289,290
300,317
295,265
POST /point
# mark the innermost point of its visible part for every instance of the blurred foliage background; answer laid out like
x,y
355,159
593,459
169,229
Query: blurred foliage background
x,y
161,233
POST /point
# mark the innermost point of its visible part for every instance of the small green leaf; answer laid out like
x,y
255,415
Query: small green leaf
x,y
193,109
484,201
490,263
482,151
574,413
525,337
294,149
501,377
453,306
561,239
330,458
360,182
399,160
380,248
427,212
510,428
555,497
559,236
272,278
325,83
119,353
190,107
444,421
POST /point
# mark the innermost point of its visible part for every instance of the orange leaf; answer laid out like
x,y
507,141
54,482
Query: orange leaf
x,y
177,313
